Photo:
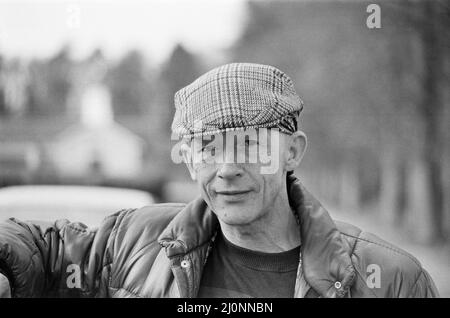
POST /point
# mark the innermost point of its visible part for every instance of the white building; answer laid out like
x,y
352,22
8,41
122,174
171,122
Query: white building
x,y
97,146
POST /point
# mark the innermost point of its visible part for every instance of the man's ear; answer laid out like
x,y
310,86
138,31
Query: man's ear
x,y
296,147
186,152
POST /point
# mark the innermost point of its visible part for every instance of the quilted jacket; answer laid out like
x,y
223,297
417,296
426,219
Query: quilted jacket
x,y
160,251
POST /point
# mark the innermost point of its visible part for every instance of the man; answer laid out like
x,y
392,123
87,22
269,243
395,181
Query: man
x,y
254,232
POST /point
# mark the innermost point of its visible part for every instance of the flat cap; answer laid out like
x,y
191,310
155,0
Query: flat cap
x,y
237,96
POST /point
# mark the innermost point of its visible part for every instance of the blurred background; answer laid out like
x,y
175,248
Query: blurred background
x,y
86,100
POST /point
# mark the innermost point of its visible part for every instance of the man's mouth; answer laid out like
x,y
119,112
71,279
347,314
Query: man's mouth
x,y
233,195
233,192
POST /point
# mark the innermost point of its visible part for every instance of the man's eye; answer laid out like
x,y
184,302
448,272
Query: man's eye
x,y
209,149
251,142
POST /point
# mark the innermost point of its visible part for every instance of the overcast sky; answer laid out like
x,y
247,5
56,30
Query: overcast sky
x,y
38,28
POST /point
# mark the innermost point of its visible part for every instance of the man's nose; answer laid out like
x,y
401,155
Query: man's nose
x,y
229,171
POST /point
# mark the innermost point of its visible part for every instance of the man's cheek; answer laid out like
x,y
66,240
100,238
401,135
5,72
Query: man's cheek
x,y
205,175
207,193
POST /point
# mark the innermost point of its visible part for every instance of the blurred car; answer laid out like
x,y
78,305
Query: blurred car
x,y
85,204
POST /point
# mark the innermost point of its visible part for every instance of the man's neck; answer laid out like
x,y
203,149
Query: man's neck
x,y
276,231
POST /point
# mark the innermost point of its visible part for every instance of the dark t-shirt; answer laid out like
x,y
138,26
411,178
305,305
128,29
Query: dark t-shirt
x,y
233,271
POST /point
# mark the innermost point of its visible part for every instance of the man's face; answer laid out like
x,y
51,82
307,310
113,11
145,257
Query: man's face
x,y
231,170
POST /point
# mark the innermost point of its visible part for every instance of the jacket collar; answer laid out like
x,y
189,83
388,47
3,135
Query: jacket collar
x,y
325,256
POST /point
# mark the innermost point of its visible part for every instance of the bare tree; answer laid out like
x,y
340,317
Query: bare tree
x,y
434,32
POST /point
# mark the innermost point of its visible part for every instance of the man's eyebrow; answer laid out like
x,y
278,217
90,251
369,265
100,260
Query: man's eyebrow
x,y
204,141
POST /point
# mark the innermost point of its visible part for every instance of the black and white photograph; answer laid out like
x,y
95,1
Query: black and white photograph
x,y
224,149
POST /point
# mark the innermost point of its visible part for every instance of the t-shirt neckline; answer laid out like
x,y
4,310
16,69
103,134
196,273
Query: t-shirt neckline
x,y
274,262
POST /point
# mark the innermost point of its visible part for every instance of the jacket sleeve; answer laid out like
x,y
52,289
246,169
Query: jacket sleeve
x,y
60,259
424,287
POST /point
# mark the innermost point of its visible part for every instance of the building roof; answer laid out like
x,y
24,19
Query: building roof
x,y
44,129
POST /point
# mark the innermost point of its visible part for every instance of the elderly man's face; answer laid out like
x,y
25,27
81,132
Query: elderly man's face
x,y
242,174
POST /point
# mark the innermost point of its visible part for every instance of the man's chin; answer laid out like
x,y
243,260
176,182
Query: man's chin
x,y
235,216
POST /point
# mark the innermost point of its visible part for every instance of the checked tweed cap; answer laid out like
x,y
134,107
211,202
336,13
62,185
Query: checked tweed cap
x,y
234,97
